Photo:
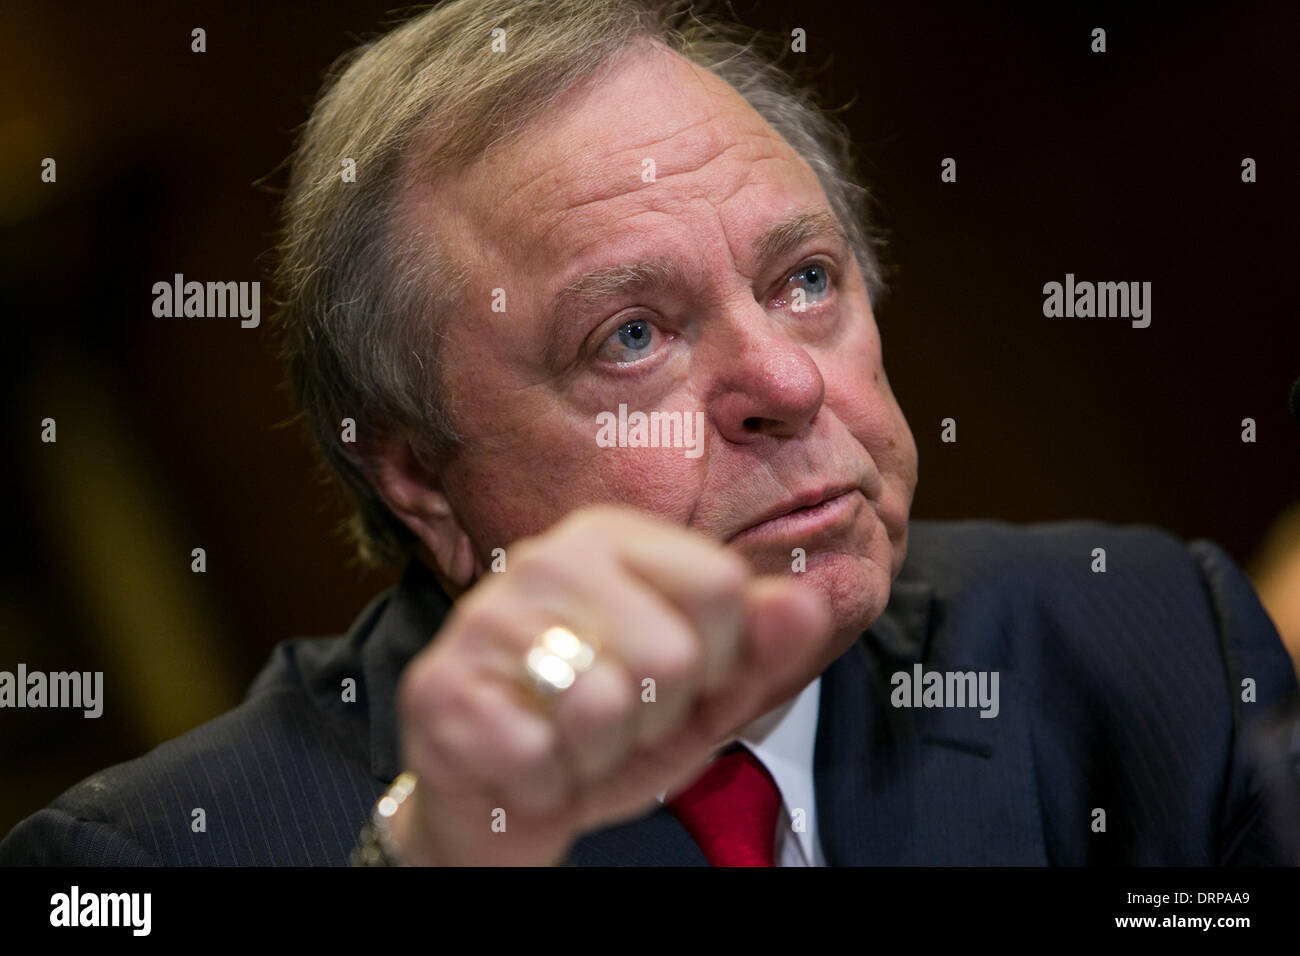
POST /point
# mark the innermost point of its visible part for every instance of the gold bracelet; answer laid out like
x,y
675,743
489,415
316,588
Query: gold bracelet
x,y
375,847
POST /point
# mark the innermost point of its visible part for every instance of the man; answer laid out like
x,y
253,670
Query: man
x,y
596,299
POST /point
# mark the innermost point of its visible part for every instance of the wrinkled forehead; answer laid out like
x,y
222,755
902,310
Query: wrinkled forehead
x,y
651,132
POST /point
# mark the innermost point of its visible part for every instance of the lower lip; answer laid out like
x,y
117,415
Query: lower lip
x,y
806,522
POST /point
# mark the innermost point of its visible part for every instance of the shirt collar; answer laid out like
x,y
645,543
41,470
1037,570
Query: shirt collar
x,y
784,740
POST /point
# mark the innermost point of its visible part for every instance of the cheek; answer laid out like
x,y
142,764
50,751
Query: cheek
x,y
857,390
661,481
522,481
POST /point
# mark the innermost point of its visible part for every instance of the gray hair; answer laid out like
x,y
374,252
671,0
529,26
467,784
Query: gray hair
x,y
364,294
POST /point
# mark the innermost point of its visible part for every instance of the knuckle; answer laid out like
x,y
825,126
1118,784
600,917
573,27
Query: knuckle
x,y
591,515
578,523
676,662
454,705
599,702
525,552
545,564
597,521
483,617
529,747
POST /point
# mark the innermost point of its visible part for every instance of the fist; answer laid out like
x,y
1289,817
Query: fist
x,y
692,646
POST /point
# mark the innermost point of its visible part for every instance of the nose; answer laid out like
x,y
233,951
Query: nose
x,y
767,384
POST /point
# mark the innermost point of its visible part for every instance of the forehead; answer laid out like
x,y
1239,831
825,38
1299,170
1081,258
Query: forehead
x,y
651,134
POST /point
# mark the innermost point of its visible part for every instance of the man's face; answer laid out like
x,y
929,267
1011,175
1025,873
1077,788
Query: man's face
x,y
794,402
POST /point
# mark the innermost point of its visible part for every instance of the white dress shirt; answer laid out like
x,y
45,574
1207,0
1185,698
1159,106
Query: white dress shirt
x,y
784,740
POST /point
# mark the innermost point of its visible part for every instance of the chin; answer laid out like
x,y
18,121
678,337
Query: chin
x,y
855,585
853,571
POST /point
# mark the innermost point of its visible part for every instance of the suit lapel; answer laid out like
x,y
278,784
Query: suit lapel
x,y
862,759
395,627
923,786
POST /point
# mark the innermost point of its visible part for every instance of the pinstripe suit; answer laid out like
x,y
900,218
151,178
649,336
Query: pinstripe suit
x,y
1119,691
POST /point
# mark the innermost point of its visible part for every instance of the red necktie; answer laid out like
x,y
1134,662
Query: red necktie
x,y
731,810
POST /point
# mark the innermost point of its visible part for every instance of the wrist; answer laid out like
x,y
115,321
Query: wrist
x,y
404,835
378,845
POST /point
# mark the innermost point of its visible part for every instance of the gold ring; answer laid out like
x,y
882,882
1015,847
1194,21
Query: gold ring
x,y
556,659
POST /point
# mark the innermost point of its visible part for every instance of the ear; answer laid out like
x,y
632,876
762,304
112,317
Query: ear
x,y
409,480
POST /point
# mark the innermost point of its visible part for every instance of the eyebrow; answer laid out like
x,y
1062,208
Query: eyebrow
x,y
592,288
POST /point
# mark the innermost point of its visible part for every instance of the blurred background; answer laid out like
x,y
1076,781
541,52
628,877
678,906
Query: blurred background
x,y
172,434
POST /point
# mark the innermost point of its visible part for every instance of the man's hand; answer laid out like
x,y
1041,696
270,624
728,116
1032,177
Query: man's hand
x,y
721,645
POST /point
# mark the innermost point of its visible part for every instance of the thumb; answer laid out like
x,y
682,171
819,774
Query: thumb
x,y
787,626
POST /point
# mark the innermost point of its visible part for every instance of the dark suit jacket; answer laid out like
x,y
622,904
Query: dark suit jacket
x,y
1119,691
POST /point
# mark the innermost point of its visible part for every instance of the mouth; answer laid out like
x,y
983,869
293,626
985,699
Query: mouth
x,y
805,515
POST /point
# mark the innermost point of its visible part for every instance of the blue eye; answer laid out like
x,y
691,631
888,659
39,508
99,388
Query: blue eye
x,y
635,335
817,279
630,342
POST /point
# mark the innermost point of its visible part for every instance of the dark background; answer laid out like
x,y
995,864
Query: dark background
x,y
1122,166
